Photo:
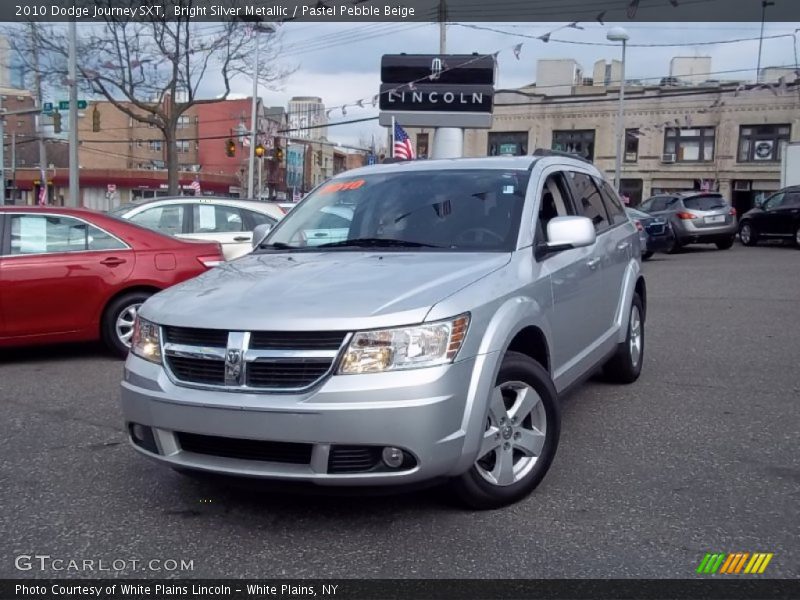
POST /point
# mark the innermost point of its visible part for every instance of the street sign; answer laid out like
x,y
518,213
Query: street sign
x,y
372,159
47,108
64,105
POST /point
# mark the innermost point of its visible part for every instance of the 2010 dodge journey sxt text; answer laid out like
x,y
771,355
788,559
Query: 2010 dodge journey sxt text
x,y
404,323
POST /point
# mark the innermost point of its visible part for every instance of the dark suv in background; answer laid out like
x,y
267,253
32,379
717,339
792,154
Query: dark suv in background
x,y
695,218
776,218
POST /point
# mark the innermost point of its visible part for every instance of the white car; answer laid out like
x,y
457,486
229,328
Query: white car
x,y
225,220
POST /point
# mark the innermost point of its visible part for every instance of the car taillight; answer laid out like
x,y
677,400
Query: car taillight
x,y
685,216
210,261
732,212
639,225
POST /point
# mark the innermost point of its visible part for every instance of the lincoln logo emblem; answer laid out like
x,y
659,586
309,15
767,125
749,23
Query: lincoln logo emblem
x,y
436,68
233,366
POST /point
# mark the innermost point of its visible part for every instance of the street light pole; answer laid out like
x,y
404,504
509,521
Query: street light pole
x,y
253,120
617,34
764,5
74,189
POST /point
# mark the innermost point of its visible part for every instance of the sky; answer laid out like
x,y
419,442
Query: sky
x,y
340,62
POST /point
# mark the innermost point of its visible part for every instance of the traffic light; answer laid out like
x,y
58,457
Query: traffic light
x,y
230,148
278,153
260,150
56,122
95,120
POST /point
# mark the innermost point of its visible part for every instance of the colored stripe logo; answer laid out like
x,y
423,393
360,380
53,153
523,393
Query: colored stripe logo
x,y
734,563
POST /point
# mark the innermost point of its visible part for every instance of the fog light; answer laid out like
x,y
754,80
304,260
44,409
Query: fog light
x,y
393,457
144,437
139,432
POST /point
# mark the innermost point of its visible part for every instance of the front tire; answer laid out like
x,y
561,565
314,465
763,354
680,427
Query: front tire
x,y
674,247
797,237
747,234
117,325
626,364
726,245
520,439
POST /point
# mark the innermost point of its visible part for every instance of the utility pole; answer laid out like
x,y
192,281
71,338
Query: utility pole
x,y
253,120
37,87
442,27
2,155
764,5
74,188
14,167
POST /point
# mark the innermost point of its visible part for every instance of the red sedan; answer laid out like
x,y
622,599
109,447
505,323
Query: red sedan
x,y
73,274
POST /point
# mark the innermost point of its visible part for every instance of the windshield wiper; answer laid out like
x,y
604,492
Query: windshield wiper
x,y
377,243
277,246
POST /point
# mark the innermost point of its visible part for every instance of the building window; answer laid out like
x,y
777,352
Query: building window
x,y
690,145
759,143
631,145
508,143
183,122
422,145
155,145
139,143
182,145
579,142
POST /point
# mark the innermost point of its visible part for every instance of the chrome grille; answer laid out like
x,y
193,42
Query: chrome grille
x,y
241,361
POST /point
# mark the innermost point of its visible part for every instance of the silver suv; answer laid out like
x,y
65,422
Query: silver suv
x,y
430,341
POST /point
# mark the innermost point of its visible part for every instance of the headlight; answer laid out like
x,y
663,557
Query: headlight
x,y
146,342
405,347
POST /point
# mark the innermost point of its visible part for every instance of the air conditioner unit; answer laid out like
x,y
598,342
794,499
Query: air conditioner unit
x,y
667,158
741,186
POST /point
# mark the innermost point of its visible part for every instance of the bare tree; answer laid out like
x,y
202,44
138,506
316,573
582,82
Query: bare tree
x,y
155,68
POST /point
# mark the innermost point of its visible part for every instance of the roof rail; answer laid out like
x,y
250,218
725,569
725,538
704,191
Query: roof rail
x,y
543,152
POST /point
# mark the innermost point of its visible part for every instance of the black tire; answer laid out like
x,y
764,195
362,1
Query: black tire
x,y
113,311
621,367
648,255
471,487
726,245
750,237
797,237
674,247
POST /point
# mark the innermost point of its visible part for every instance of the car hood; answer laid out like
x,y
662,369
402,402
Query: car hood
x,y
753,211
320,291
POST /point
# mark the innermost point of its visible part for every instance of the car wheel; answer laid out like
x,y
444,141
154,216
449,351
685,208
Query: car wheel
x,y
674,247
118,321
726,245
748,234
648,255
626,364
797,236
520,438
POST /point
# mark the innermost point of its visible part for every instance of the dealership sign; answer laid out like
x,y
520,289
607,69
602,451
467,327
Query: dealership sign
x,y
423,90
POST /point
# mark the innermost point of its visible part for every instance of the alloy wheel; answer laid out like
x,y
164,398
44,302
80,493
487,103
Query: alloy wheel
x,y
124,323
635,343
745,234
515,434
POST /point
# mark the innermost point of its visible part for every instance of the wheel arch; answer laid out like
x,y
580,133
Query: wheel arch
x,y
145,288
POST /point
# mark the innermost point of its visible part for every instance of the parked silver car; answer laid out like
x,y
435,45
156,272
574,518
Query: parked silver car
x,y
433,341
695,218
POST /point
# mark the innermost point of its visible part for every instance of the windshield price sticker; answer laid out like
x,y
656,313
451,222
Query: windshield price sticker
x,y
342,186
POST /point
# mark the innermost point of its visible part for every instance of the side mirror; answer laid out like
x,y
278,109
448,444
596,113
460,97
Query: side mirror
x,y
260,233
564,233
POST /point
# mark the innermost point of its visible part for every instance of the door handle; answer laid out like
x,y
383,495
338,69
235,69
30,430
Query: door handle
x,y
593,262
241,238
623,246
112,261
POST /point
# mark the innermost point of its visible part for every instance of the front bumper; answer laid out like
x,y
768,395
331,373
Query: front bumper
x,y
421,411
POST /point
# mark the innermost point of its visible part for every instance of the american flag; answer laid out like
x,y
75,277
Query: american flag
x,y
195,185
43,193
402,144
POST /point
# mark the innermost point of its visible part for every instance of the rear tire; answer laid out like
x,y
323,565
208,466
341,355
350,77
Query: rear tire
x,y
626,364
726,245
674,247
117,324
648,255
748,234
520,440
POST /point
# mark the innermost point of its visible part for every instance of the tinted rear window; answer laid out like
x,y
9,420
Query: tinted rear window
x,y
705,202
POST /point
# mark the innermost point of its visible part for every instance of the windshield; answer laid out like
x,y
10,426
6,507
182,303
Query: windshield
x,y
466,210
705,202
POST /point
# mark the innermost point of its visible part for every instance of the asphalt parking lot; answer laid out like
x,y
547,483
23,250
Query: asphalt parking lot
x,y
700,455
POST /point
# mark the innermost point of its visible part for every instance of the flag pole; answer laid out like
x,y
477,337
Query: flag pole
x,y
392,136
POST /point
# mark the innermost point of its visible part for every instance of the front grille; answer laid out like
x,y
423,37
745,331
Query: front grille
x,y
196,337
289,373
353,459
296,340
656,229
279,452
197,370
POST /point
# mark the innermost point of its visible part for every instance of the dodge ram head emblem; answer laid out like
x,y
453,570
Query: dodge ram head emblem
x,y
233,367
